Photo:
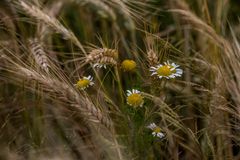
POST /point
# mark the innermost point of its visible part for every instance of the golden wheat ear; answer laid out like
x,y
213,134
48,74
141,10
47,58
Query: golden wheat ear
x,y
152,57
97,54
37,50
103,56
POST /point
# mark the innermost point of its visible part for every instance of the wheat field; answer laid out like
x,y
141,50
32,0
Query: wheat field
x,y
119,80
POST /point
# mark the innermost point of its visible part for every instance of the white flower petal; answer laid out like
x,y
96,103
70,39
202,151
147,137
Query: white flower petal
x,y
154,68
154,134
160,135
173,68
128,91
137,91
153,73
95,65
152,126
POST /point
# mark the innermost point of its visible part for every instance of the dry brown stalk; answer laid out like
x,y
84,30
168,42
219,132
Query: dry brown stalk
x,y
205,28
124,11
227,68
180,4
221,42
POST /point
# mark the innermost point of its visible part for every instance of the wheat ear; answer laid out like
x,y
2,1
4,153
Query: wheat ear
x,y
66,93
152,57
101,8
99,53
35,12
39,54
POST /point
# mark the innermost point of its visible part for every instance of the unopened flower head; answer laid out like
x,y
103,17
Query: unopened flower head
x,y
134,98
167,70
128,65
156,131
85,82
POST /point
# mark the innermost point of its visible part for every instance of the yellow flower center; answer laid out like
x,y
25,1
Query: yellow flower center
x,y
128,65
157,130
135,99
165,70
83,83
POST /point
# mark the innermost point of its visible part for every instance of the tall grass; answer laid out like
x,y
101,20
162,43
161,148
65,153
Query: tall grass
x,y
48,48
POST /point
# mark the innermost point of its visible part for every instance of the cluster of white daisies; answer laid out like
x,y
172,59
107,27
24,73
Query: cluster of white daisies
x,y
135,99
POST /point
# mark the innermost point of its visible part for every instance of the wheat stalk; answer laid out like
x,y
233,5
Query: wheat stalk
x,y
52,11
35,12
67,94
39,54
202,26
100,6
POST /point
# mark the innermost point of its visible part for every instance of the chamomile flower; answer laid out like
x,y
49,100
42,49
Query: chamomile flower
x,y
156,131
134,98
128,65
100,65
85,82
167,70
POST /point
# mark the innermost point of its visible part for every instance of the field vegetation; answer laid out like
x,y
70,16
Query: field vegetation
x,y
119,80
